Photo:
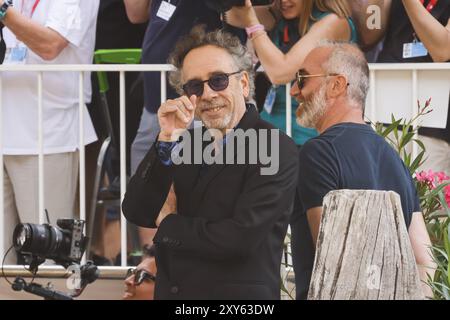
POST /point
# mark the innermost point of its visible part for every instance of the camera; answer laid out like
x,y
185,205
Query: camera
x,y
64,244
225,5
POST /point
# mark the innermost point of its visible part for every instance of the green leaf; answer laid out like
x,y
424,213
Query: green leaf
x,y
438,189
406,139
406,158
420,143
417,162
393,126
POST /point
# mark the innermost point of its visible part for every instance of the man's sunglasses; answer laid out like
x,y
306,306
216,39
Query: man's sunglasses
x,y
301,78
140,275
217,82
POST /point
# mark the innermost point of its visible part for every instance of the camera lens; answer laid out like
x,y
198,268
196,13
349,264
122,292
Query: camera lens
x,y
42,240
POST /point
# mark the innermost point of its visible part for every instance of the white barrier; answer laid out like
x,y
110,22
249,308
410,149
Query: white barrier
x,y
433,79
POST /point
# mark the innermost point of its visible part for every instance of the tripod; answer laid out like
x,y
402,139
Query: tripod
x,y
89,273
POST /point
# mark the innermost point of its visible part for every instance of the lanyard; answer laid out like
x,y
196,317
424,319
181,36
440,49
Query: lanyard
x,y
430,5
33,9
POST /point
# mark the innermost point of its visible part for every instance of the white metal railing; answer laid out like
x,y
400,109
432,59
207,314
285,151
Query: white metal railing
x,y
376,69
40,69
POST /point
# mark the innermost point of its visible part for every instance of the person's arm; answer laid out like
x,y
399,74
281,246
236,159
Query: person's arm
x,y
281,67
241,17
434,36
263,201
314,216
148,189
138,11
421,245
44,41
365,14
169,207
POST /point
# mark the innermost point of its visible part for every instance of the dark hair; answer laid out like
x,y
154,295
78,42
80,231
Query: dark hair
x,y
197,38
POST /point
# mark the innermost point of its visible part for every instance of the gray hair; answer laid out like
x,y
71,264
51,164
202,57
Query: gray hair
x,y
347,59
198,38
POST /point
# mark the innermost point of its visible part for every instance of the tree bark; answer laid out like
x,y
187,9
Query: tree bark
x,y
363,249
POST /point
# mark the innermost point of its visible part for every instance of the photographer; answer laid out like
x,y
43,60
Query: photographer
x,y
140,281
44,32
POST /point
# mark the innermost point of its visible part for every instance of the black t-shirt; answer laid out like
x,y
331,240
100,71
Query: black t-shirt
x,y
401,31
346,156
114,30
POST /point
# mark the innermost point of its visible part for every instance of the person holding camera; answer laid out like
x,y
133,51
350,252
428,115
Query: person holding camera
x,y
44,32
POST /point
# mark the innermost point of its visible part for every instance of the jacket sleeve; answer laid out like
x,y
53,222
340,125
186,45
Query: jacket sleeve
x,y
147,190
264,201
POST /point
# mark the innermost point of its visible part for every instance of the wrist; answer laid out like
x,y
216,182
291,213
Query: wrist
x,y
165,137
252,19
254,29
5,5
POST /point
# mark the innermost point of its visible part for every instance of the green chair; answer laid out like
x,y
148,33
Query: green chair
x,y
113,56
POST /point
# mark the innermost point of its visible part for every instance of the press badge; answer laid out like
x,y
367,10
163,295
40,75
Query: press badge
x,y
414,50
16,55
166,10
270,99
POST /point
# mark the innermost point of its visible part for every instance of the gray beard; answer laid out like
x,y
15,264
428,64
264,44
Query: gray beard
x,y
314,109
219,124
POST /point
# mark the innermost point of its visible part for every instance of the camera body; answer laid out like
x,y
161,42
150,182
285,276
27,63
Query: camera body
x,y
225,5
65,244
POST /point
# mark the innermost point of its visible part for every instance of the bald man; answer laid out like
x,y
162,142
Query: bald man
x,y
331,89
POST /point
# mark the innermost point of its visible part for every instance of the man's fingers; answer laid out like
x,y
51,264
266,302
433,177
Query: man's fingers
x,y
193,100
181,115
187,103
182,107
167,108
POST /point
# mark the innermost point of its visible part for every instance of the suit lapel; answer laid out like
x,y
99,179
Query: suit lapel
x,y
248,121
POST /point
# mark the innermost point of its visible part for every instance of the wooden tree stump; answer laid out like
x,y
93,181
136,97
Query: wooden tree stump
x,y
363,249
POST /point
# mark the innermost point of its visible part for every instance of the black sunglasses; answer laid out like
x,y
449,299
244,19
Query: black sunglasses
x,y
301,78
140,275
217,82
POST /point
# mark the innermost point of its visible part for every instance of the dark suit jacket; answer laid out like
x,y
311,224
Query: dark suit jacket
x,y
226,240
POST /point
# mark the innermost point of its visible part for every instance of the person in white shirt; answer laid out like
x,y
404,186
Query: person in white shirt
x,y
44,32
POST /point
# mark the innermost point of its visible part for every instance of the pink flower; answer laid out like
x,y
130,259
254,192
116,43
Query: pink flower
x,y
421,176
447,195
427,178
442,177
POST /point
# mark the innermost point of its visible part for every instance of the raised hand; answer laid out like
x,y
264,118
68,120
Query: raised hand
x,y
175,115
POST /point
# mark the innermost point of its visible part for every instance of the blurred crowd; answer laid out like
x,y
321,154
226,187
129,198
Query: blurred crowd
x,y
280,36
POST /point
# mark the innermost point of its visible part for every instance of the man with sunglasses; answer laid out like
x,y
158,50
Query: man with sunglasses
x,y
226,240
140,281
331,89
